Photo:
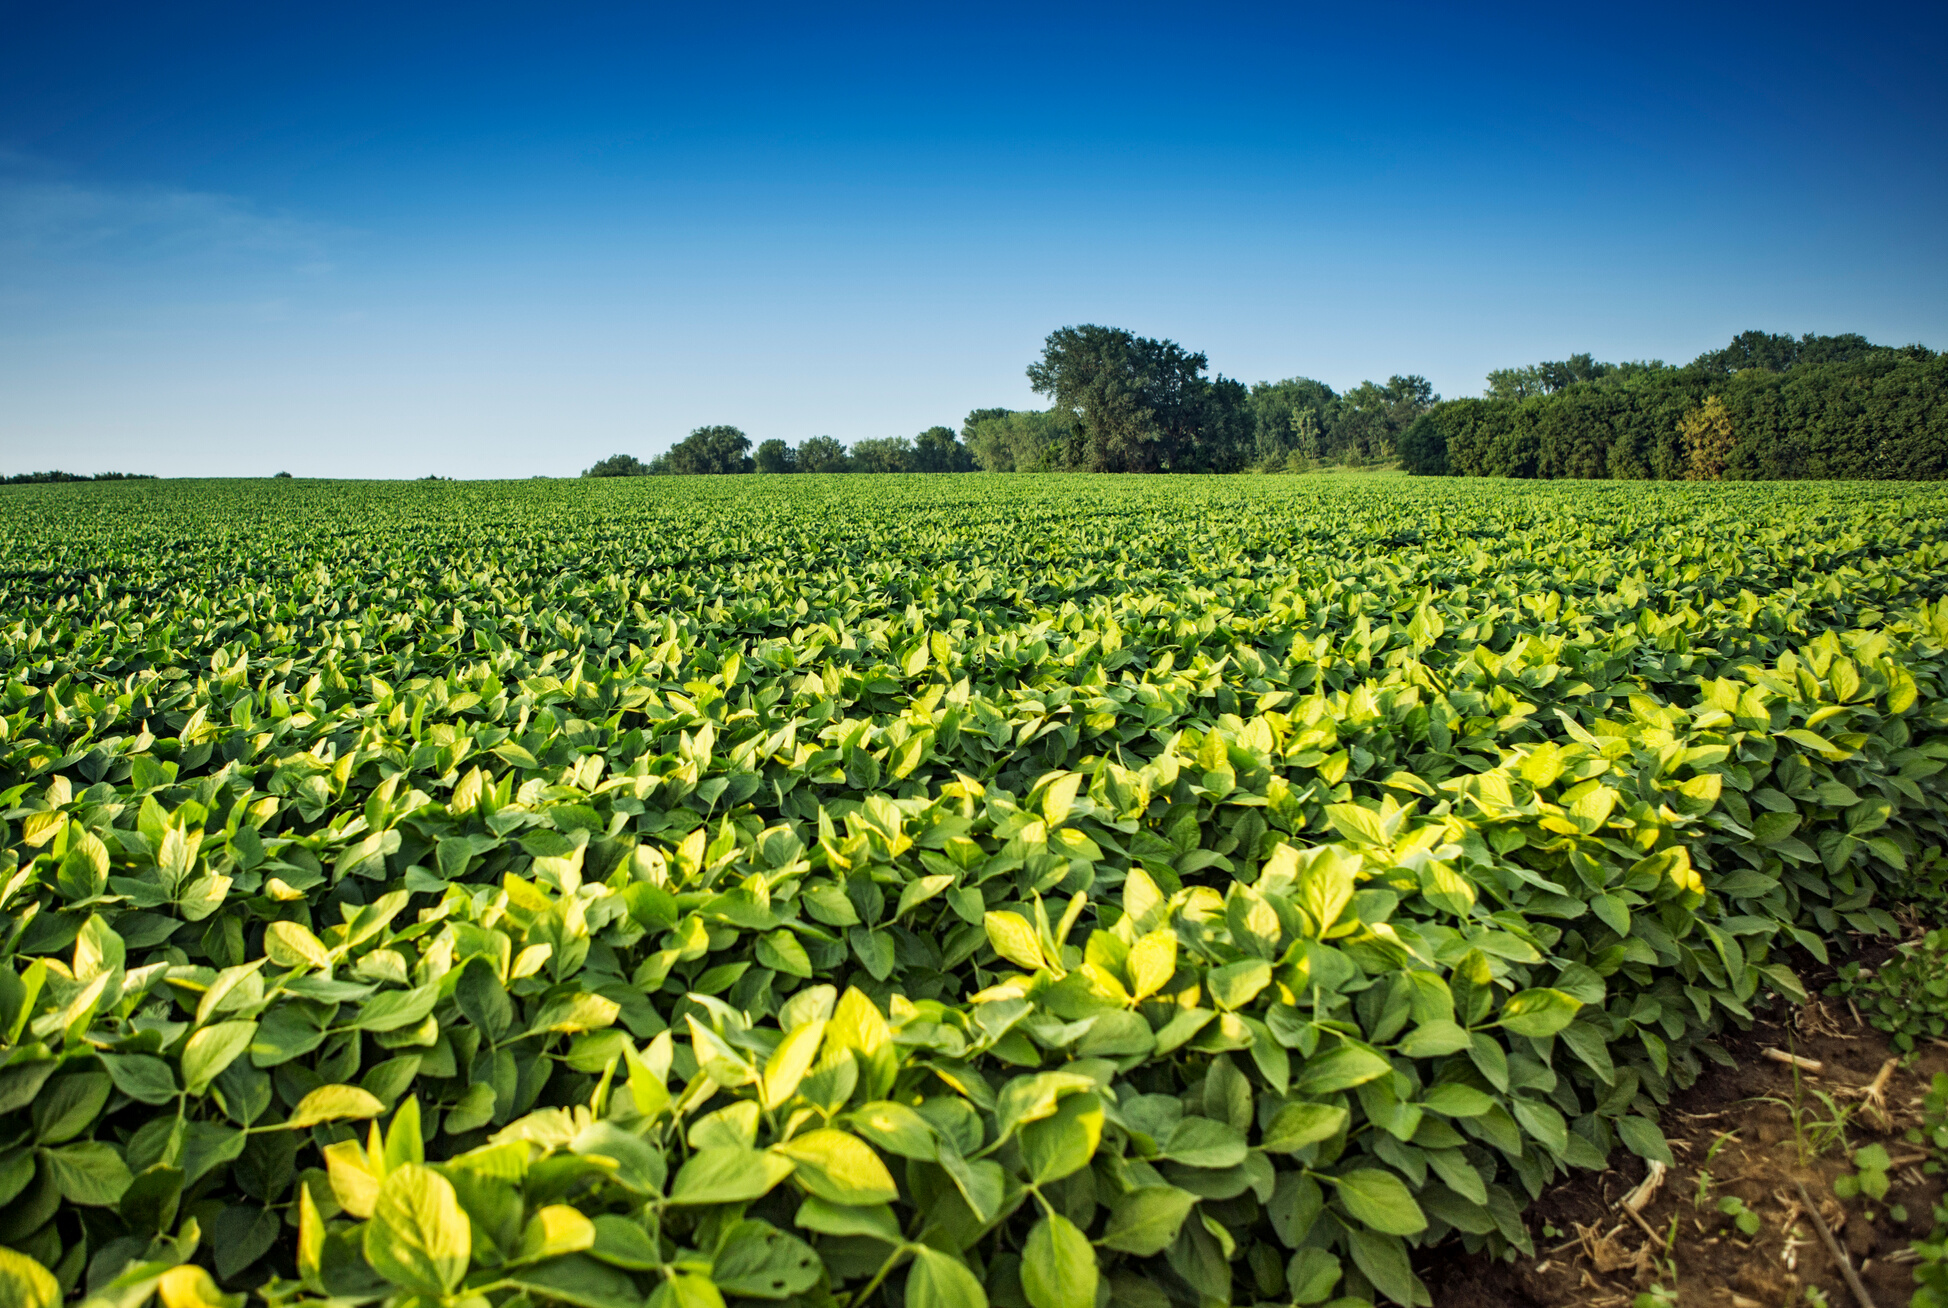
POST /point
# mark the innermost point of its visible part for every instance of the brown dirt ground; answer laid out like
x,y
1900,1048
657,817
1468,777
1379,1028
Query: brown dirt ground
x,y
1602,1259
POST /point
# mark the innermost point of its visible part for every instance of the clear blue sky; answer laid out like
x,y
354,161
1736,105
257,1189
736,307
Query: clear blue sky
x,y
494,240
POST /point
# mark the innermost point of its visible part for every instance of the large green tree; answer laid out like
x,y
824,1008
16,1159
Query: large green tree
x,y
823,454
882,454
1017,440
706,451
1138,404
938,449
618,465
776,456
1372,415
1277,409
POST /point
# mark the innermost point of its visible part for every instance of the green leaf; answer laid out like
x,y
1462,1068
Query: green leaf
x,y
141,1077
1147,1219
786,1068
1433,1039
1339,1069
1014,940
1311,1276
1326,883
90,1173
555,1229
759,1261
621,1242
1202,1142
581,1280
1152,962
1055,1147
781,952
24,1283
418,1237
1031,1098
1642,1138
877,1222
1452,1100
390,1010
67,1104
1383,1258
332,1103
211,1050
728,1176
1381,1201
578,1012
1237,984
839,1167
1538,1013
895,1128
1058,1267
940,1280
1300,1124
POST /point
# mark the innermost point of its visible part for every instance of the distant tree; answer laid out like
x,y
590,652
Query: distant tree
x,y
776,456
1373,414
883,454
822,454
1708,440
1139,405
282,476
1026,440
1275,410
1545,378
39,478
1305,438
616,465
707,451
1777,353
938,449
1423,446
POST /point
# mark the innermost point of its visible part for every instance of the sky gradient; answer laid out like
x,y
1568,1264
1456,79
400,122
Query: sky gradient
x,y
492,241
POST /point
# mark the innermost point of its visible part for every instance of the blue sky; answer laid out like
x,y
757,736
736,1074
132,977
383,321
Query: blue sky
x,y
495,240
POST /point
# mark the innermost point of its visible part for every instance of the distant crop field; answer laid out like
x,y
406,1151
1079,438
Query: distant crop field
x,y
937,891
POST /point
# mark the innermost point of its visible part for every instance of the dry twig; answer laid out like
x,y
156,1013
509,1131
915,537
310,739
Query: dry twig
x,y
1810,1066
1634,1201
1833,1249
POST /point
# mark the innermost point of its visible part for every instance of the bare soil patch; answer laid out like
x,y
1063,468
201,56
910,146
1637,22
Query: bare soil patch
x,y
1602,1258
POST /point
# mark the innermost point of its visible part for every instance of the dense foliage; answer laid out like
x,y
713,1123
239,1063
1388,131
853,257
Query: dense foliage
x,y
933,892
37,478
1765,407
711,451
1125,403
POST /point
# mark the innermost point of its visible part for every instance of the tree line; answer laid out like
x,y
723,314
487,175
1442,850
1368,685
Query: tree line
x,y
1118,403
723,449
39,478
1765,407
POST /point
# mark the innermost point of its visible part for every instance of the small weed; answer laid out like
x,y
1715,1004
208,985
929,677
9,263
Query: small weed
x,y
1931,1267
1815,1132
1870,1179
1704,1169
1748,1222
1908,997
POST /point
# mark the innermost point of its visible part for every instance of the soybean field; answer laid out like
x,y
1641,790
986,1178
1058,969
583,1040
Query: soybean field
x,y
936,891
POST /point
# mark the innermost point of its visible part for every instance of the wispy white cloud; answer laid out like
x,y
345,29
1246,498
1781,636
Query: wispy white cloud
x,y
49,219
